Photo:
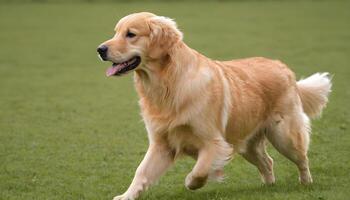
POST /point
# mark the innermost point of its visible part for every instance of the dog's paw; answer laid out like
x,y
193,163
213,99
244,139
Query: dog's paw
x,y
123,197
120,197
305,180
193,183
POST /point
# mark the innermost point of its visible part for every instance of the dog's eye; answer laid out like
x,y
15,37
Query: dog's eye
x,y
130,34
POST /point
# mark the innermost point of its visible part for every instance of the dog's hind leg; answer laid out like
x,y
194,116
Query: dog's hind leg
x,y
289,134
256,154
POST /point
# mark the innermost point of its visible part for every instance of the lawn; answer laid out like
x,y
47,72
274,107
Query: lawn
x,y
68,132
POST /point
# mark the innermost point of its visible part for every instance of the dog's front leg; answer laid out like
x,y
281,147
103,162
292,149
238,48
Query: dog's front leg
x,y
157,159
211,159
200,172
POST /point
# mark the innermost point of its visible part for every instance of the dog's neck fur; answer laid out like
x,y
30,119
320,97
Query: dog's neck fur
x,y
160,82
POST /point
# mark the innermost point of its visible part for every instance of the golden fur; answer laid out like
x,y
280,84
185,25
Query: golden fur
x,y
211,109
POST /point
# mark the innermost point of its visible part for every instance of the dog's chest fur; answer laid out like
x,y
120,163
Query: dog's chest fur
x,y
183,112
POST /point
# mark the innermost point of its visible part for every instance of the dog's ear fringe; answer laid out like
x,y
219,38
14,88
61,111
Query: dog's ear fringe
x,y
164,28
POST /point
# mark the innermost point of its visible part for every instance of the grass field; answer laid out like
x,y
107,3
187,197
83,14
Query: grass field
x,y
68,132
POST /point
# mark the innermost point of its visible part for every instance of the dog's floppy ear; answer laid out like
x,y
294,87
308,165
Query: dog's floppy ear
x,y
164,32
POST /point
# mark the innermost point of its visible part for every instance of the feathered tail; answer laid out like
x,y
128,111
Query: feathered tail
x,y
313,92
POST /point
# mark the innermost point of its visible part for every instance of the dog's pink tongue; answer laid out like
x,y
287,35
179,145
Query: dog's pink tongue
x,y
111,71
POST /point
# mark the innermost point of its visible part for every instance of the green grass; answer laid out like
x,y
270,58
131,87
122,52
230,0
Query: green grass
x,y
68,132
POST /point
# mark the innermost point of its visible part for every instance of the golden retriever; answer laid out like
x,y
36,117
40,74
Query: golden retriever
x,y
208,109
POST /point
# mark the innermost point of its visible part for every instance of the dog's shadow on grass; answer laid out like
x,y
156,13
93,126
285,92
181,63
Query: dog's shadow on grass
x,y
227,191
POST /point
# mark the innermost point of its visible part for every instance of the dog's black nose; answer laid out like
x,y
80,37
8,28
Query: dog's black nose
x,y
102,50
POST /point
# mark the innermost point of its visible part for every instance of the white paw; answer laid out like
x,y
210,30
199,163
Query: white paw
x,y
123,197
120,197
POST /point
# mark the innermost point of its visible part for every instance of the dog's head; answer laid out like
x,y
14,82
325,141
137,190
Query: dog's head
x,y
139,38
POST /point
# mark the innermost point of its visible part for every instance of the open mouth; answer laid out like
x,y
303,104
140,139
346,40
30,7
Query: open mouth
x,y
118,69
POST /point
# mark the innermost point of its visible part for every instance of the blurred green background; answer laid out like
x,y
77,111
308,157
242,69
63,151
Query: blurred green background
x,y
68,132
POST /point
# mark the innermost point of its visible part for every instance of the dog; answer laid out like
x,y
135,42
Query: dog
x,y
208,109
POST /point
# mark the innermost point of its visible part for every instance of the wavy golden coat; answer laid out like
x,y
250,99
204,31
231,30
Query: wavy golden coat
x,y
208,109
